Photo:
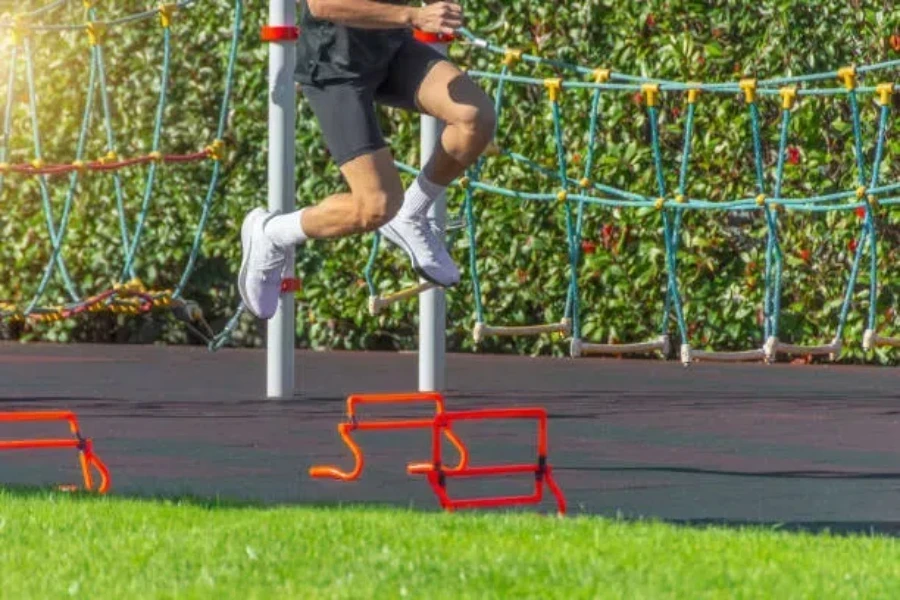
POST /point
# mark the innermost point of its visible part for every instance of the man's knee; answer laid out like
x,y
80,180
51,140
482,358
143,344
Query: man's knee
x,y
376,208
479,123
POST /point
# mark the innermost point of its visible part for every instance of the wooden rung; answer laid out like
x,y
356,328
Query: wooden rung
x,y
582,348
773,347
871,340
482,331
714,356
379,303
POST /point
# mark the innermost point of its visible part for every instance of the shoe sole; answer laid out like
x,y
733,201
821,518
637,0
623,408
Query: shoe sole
x,y
398,241
247,246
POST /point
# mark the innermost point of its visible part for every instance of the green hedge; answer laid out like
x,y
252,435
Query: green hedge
x,y
522,258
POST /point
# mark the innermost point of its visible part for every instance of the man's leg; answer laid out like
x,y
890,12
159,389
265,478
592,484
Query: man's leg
x,y
420,79
451,96
376,194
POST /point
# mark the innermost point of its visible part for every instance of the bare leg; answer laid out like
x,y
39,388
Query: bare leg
x,y
452,97
376,193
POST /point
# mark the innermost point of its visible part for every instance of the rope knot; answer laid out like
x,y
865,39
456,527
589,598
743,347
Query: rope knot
x,y
216,150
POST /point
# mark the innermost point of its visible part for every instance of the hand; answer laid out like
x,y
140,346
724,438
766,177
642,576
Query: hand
x,y
439,17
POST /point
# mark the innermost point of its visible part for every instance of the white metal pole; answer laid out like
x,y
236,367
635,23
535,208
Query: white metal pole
x,y
282,123
433,303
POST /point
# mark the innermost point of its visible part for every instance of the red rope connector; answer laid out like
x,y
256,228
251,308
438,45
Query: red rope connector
x,y
279,33
433,38
85,446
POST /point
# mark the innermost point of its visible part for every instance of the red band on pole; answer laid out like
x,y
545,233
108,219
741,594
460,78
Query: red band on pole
x,y
279,33
433,38
289,286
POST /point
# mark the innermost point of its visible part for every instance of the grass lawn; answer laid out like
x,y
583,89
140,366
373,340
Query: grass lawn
x,y
55,545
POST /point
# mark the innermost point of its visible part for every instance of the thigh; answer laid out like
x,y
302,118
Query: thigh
x,y
346,114
421,79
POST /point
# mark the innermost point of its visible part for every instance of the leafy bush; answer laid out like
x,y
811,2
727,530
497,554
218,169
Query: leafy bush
x,y
522,245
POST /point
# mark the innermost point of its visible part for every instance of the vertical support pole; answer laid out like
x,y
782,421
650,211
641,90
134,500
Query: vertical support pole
x,y
282,35
433,303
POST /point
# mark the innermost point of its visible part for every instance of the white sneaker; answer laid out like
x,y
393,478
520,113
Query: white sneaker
x,y
262,266
427,252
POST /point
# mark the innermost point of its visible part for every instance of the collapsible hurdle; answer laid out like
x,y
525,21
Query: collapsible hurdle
x,y
436,471
85,446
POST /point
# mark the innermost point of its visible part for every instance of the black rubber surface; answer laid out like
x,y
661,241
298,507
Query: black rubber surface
x,y
806,446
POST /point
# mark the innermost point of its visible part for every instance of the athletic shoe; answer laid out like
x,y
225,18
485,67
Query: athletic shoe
x,y
262,266
427,252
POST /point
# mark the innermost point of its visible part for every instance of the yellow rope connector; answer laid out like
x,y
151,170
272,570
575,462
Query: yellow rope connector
x,y
4,168
585,183
511,57
872,200
847,75
788,97
884,91
167,13
216,150
761,200
861,192
110,158
554,88
748,86
156,156
80,166
602,75
651,93
659,204
693,92
88,4
562,195
37,163
464,182
96,32
680,199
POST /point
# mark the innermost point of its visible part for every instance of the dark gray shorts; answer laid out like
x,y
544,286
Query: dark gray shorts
x,y
345,109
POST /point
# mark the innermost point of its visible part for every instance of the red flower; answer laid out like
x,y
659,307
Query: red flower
x,y
676,112
606,233
793,155
576,159
701,60
522,275
895,42
588,247
852,245
861,212
651,21
804,255
637,98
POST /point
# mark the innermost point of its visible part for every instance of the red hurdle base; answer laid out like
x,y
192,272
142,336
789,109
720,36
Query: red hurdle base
x,y
87,458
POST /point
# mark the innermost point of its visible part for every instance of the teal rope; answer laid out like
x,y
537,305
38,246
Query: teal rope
x,y
50,267
572,304
870,217
775,257
128,268
211,189
55,236
857,138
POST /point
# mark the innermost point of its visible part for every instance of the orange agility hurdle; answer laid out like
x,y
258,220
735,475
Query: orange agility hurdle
x,y
542,471
85,446
354,424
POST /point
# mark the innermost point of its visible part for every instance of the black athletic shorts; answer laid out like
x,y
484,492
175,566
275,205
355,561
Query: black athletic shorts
x,y
345,108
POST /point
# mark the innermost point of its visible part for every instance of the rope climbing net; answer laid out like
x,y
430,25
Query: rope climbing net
x,y
60,181
575,193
